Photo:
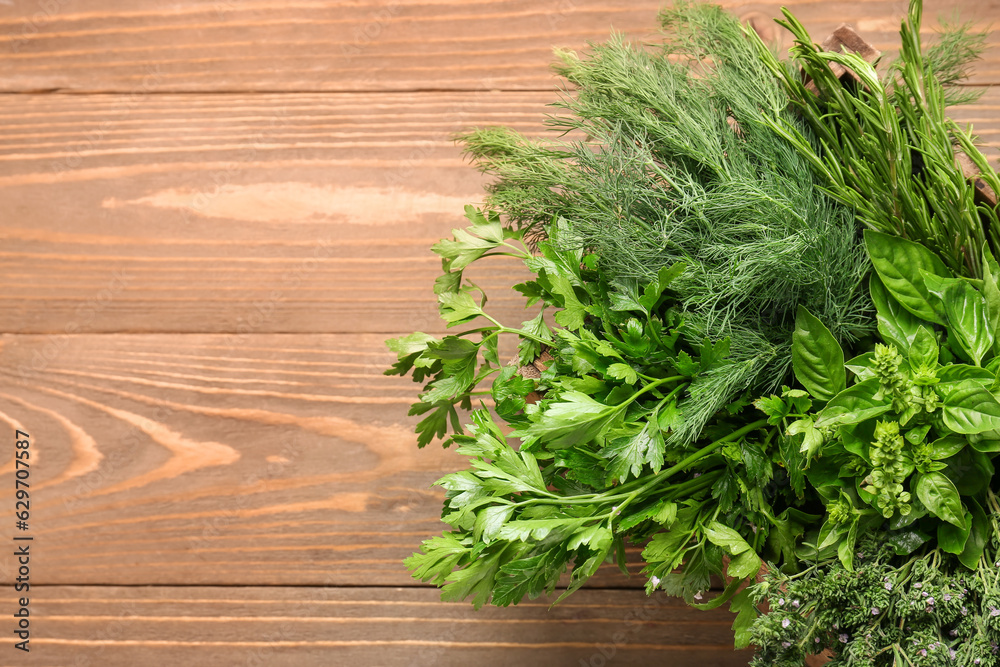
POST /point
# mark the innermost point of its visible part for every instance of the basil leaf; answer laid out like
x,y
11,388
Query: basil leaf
x,y
923,355
916,435
968,407
853,405
905,542
896,324
987,442
898,263
978,537
966,312
957,372
845,550
970,470
946,447
861,366
817,358
940,497
952,538
856,438
991,292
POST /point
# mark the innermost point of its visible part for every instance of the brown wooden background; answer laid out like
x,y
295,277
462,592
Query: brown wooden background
x,y
213,214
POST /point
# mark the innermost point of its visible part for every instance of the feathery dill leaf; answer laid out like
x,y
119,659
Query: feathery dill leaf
x,y
676,164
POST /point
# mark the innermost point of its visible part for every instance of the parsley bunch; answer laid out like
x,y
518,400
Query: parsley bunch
x,y
559,485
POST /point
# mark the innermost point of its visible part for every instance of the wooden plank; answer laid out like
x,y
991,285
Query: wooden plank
x,y
252,213
365,626
316,45
323,216
170,459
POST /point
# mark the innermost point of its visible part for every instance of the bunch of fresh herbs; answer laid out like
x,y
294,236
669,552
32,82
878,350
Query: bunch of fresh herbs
x,y
678,162
919,610
886,147
696,249
593,467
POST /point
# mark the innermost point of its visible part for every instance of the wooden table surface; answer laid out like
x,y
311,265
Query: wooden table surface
x,y
213,215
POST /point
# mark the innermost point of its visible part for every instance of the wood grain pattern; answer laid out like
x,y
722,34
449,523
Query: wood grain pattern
x,y
114,626
224,45
239,213
198,267
202,213
273,460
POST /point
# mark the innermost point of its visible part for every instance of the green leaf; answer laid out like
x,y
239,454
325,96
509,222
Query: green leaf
x,y
449,281
817,358
654,290
685,365
438,557
861,366
905,542
957,372
597,537
574,419
666,515
923,355
991,292
623,372
952,538
574,312
434,425
747,564
411,344
628,455
812,438
853,405
490,520
746,613
970,470
472,242
475,579
940,497
663,512
722,598
898,263
916,435
845,550
458,307
727,538
968,407
528,349
978,537
665,551
529,576
774,407
525,530
987,442
896,324
967,320
946,447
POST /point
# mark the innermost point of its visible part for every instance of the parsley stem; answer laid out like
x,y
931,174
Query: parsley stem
x,y
525,334
657,479
653,385
694,458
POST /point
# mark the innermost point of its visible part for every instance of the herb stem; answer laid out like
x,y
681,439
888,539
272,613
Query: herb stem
x,y
690,460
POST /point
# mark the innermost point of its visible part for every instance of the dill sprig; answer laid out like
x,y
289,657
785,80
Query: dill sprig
x,y
680,162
